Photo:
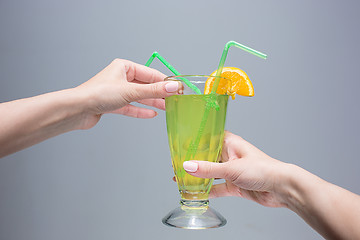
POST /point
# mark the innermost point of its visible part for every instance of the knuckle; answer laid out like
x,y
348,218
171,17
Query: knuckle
x,y
118,66
121,64
155,89
207,169
134,95
125,110
131,94
117,61
152,77
228,173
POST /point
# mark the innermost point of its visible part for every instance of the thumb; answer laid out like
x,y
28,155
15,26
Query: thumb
x,y
204,169
155,90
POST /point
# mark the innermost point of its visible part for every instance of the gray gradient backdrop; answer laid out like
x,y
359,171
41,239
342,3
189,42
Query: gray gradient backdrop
x,y
114,181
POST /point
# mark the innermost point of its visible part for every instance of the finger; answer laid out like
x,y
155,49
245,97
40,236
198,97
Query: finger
x,y
174,179
158,103
204,169
222,190
181,85
138,82
227,148
136,112
135,71
137,92
235,146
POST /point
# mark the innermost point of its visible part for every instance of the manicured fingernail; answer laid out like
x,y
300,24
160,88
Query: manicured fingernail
x,y
190,166
171,87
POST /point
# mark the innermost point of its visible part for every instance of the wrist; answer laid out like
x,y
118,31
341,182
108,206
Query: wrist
x,y
79,107
35,119
296,184
286,184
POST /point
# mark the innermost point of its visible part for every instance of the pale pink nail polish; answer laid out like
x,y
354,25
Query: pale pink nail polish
x,y
190,166
171,87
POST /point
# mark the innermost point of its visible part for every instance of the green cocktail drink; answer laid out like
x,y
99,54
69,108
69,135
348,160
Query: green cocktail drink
x,y
195,126
184,114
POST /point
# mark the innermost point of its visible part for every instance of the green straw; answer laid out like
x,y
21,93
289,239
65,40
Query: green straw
x,y
172,69
212,103
224,55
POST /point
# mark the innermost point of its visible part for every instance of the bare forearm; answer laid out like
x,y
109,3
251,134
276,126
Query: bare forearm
x,y
26,122
332,211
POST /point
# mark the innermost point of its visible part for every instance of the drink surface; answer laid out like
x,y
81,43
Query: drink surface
x,y
184,114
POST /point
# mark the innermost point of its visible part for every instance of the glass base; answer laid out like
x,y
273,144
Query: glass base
x,y
194,215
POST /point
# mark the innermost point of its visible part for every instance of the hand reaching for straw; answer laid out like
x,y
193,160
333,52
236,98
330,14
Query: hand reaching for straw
x,y
32,120
123,82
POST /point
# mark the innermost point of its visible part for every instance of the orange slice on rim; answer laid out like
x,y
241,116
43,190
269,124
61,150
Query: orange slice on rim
x,y
240,83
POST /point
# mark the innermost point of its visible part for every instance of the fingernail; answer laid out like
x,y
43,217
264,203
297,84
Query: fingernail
x,y
171,87
190,166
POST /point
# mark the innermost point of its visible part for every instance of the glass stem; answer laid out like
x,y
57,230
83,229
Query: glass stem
x,y
194,203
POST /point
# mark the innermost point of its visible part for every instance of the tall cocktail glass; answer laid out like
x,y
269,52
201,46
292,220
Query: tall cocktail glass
x,y
195,130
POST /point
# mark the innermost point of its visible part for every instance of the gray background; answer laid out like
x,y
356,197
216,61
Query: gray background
x,y
114,181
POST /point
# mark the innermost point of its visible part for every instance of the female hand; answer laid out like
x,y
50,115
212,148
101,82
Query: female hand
x,y
249,173
120,83
331,210
32,120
